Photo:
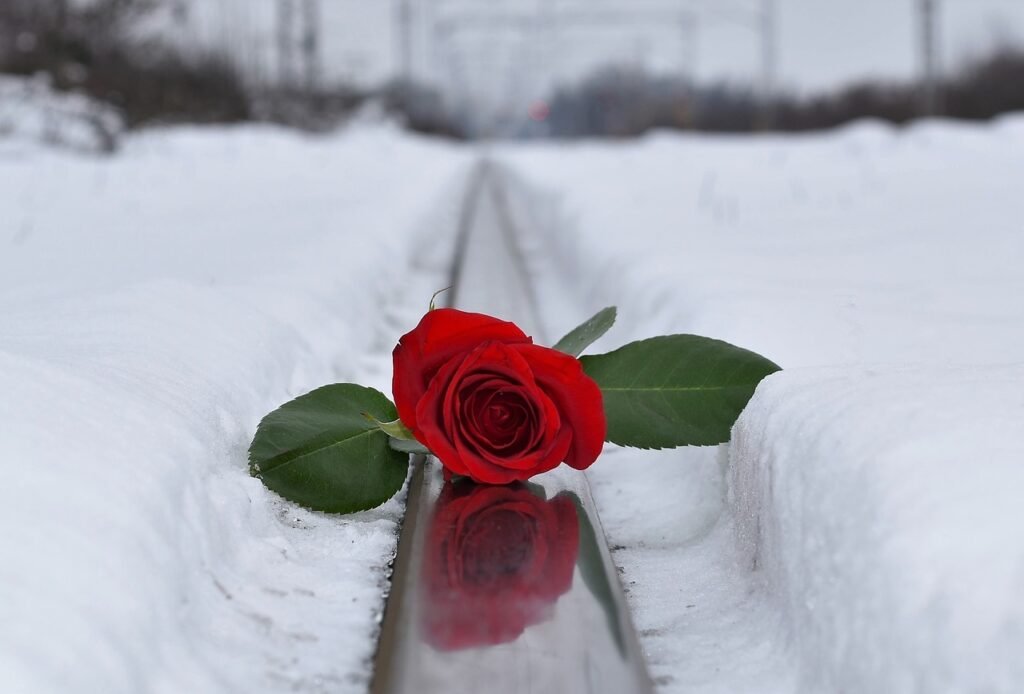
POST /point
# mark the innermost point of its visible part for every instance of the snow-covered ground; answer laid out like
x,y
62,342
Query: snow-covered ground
x,y
864,534
31,112
153,306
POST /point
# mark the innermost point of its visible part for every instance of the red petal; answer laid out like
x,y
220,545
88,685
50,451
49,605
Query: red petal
x,y
577,397
441,335
443,430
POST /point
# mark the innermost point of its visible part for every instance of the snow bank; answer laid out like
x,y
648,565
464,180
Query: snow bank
x,y
32,111
868,244
884,507
154,306
703,627
865,250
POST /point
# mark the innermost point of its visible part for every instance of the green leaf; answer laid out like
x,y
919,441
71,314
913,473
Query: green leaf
x,y
394,429
321,451
676,390
400,437
584,335
408,446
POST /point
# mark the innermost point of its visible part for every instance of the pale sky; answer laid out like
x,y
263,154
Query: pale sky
x,y
821,42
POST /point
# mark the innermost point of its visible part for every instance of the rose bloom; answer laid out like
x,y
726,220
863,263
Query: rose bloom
x,y
490,404
496,561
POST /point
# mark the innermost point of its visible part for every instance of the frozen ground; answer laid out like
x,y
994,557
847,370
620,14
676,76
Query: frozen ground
x,y
864,534
154,306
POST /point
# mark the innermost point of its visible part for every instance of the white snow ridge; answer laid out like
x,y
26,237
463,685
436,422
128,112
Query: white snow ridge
x,y
154,306
884,509
865,532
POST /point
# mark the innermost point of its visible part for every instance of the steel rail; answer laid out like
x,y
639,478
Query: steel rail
x,y
505,590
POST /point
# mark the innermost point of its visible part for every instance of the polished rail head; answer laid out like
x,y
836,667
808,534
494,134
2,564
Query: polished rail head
x,y
503,589
506,589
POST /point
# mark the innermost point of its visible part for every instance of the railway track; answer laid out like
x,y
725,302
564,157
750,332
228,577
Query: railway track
x,y
458,619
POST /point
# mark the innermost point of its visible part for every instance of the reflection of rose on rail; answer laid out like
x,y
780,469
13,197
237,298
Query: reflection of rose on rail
x,y
496,561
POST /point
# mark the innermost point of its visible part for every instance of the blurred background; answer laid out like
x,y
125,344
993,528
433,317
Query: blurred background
x,y
210,207
508,68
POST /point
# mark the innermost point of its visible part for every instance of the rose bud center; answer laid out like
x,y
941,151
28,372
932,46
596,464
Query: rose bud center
x,y
499,418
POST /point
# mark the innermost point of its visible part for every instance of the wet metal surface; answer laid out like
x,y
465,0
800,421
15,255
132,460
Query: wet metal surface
x,y
503,588
506,589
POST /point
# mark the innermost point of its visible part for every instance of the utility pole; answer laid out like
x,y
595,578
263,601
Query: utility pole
x,y
403,39
285,43
690,29
179,12
311,44
931,98
769,62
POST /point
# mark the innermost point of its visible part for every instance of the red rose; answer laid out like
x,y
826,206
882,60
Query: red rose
x,y
496,561
490,404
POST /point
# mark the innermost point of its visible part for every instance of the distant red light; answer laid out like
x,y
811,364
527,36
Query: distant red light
x,y
539,111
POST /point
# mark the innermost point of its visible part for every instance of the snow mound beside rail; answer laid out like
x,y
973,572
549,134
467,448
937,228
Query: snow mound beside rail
x,y
883,508
155,305
892,258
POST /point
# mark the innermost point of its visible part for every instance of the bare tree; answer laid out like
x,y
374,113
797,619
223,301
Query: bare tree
x,y
57,31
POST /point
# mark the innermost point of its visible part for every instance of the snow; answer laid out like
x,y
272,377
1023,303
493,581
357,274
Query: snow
x,y
32,111
861,534
883,507
155,305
